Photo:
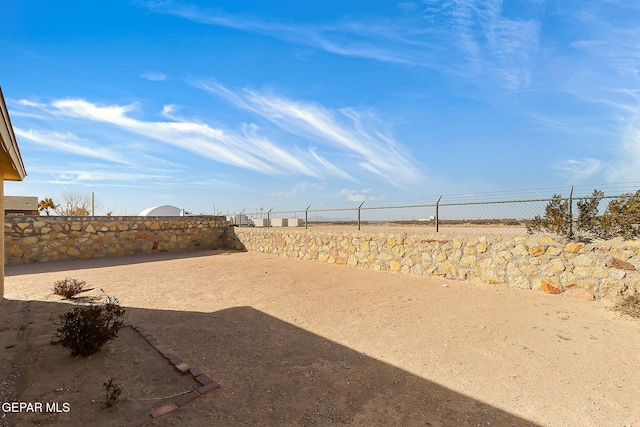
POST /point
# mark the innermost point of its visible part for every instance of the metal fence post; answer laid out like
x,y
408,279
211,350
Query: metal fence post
x,y
306,218
437,213
359,214
571,212
269,218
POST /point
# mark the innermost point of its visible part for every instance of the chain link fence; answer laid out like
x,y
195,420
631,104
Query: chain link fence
x,y
505,213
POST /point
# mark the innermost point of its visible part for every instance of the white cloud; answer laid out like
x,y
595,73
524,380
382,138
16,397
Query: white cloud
x,y
168,110
218,183
402,41
357,196
79,176
627,166
154,76
356,134
579,169
245,150
304,187
69,143
490,42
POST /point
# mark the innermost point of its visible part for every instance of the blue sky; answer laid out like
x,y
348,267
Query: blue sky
x,y
244,104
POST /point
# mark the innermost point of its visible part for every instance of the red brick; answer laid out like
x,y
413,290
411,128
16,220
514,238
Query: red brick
x,y
174,359
161,349
152,340
207,388
204,379
187,398
183,368
163,410
139,422
195,372
144,333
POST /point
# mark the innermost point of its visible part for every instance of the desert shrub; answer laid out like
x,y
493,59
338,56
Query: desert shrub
x,y
587,221
68,288
84,330
621,218
629,305
556,217
112,392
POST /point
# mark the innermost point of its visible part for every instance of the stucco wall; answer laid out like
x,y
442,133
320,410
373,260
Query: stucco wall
x,y
49,238
544,263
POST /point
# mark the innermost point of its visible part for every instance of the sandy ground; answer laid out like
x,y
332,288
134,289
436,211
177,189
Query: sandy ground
x,y
303,343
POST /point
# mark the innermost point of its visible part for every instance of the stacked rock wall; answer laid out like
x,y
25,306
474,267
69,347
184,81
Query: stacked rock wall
x,y
49,238
546,263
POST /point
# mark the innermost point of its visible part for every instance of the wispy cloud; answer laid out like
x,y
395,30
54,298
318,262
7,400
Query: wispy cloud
x,y
80,176
606,76
490,41
96,174
359,196
434,36
154,76
627,165
244,149
300,188
358,135
221,184
381,40
352,195
70,143
312,140
578,169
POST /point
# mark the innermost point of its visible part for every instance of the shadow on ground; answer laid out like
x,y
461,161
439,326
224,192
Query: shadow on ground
x,y
271,373
73,264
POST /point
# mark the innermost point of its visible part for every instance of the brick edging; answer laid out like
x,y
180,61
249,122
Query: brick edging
x,y
207,384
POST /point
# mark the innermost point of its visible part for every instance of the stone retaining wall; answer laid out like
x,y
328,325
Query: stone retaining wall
x,y
49,238
546,263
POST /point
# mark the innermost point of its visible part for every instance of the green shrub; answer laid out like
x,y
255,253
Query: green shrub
x,y
621,218
556,217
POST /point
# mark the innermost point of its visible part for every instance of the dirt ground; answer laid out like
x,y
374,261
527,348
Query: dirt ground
x,y
303,343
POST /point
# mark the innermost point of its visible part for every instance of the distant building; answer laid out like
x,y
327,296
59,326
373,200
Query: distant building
x,y
164,210
20,205
11,168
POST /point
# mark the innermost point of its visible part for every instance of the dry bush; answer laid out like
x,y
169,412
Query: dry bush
x,y
629,306
68,288
84,330
112,392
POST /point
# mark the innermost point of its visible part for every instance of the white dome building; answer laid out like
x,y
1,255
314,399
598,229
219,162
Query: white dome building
x,y
164,210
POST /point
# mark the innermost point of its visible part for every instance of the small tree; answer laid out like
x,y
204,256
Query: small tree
x,y
45,205
74,204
